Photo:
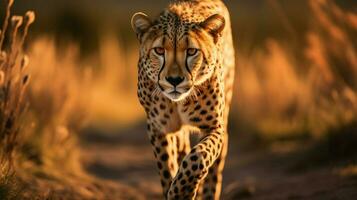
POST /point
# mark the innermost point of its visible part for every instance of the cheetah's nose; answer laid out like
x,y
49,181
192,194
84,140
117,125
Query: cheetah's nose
x,y
175,81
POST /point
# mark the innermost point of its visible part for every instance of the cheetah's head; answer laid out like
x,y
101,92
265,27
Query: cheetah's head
x,y
178,56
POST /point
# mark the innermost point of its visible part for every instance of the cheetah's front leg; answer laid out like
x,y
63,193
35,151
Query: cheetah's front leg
x,y
195,166
212,185
165,151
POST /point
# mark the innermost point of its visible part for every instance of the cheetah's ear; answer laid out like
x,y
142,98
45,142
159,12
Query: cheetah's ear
x,y
140,22
214,25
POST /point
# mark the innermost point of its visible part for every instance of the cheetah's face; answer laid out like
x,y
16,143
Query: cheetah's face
x,y
179,56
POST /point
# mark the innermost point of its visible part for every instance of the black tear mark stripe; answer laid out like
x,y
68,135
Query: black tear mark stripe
x,y
162,67
186,61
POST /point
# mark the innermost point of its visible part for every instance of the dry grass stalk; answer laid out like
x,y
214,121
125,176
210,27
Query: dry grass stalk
x,y
13,83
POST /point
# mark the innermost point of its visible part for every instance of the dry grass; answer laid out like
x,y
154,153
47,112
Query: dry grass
x,y
114,86
36,143
102,85
13,84
58,103
65,94
283,96
349,171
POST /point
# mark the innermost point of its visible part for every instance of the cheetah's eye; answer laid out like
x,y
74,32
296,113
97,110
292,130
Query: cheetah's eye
x,y
192,51
159,51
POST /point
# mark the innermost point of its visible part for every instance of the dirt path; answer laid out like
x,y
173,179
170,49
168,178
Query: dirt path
x,y
126,158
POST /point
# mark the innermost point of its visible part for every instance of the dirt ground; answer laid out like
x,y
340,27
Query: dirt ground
x,y
126,158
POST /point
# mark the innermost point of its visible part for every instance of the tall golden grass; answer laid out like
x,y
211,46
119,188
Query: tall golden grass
x,y
38,123
283,94
58,101
67,93
104,84
114,85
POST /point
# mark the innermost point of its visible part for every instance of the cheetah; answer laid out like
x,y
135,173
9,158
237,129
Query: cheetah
x,y
185,78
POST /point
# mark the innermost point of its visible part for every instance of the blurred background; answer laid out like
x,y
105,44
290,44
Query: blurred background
x,y
294,115
279,44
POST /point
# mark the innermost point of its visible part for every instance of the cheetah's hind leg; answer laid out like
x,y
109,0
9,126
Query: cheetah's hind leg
x,y
183,144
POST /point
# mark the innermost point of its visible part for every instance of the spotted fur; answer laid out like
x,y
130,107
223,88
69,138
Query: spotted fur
x,y
185,78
